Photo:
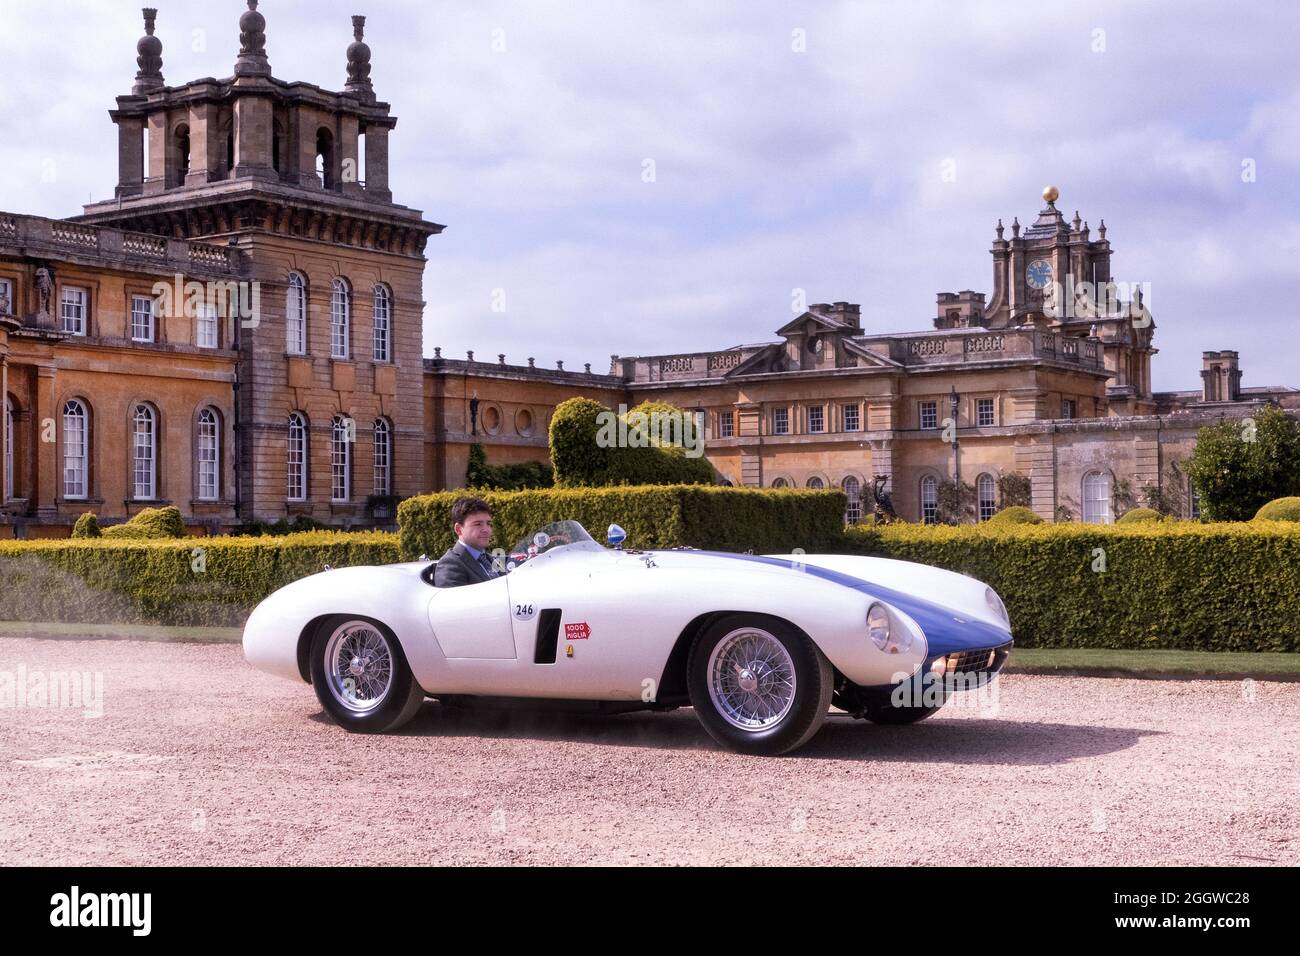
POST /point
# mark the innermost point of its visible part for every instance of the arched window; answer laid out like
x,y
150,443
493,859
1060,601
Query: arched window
x,y
816,483
852,491
340,318
780,483
383,457
144,442
341,434
296,460
1096,498
986,490
207,446
9,449
295,315
383,315
76,436
929,500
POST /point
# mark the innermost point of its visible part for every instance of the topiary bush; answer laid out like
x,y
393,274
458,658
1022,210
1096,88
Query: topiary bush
x,y
87,526
1014,515
1139,515
591,446
1280,509
150,523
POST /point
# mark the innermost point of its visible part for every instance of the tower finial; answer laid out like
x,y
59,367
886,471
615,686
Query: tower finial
x,y
1000,228
359,61
1015,228
1051,194
1101,229
252,59
148,57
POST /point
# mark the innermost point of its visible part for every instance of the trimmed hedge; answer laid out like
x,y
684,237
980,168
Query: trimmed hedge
x,y
654,516
1139,515
1280,509
1231,586
192,581
1016,514
581,460
149,523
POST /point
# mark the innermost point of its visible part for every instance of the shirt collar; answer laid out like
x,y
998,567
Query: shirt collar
x,y
474,552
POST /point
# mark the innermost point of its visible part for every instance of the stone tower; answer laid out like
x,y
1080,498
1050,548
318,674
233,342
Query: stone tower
x,y
296,178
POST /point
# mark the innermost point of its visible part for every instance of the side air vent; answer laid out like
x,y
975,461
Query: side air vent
x,y
548,634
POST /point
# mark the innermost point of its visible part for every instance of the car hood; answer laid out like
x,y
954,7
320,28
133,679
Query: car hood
x,y
958,620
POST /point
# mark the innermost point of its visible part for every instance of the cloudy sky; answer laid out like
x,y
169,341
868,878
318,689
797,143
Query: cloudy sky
x,y
657,176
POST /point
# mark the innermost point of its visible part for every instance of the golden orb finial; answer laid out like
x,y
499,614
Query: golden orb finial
x,y
1051,193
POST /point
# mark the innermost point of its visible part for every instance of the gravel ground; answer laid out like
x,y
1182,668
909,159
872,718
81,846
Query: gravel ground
x,y
199,759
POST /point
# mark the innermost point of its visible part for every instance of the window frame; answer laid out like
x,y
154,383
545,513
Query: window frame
x,y
83,319
207,316
853,503
340,460
83,412
296,460
930,406
854,408
983,405
152,334
929,500
821,426
212,463
148,463
986,508
781,415
383,449
340,319
1102,512
295,301
726,424
384,295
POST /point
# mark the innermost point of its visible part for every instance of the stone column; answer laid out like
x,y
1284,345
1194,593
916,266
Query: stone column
x,y
377,164
45,484
130,156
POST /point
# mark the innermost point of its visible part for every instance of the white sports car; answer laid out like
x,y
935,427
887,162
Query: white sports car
x,y
760,646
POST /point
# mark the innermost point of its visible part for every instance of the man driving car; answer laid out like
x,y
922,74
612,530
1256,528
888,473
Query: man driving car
x,y
467,561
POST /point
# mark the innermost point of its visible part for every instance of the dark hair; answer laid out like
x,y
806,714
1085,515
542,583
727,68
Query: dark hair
x,y
462,508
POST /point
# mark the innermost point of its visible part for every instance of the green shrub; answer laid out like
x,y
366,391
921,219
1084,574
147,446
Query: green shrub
x,y
1139,515
150,523
1014,515
199,581
87,526
1280,509
654,516
1168,584
1238,466
588,449
515,476
282,526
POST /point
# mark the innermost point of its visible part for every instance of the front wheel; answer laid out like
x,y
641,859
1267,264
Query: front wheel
x,y
361,677
758,685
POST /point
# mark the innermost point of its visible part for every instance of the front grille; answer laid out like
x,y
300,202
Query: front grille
x,y
974,662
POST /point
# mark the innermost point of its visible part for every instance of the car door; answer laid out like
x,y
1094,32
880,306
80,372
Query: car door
x,y
472,622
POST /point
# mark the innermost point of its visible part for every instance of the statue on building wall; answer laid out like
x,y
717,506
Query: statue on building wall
x,y
884,507
44,296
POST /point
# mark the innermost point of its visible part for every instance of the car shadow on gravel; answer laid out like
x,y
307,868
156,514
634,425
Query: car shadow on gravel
x,y
938,740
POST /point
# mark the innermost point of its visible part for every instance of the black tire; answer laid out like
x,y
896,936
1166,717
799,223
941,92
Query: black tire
x,y
807,710
398,705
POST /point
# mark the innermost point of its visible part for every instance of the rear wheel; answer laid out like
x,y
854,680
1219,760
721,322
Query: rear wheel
x,y
361,676
758,685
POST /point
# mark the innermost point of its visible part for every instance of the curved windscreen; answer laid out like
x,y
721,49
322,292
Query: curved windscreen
x,y
547,538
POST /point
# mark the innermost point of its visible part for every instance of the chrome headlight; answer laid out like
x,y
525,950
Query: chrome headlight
x,y
884,635
991,598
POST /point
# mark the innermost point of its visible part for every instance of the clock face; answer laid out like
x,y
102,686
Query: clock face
x,y
1039,273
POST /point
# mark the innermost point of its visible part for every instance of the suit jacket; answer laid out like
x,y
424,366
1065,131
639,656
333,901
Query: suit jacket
x,y
457,567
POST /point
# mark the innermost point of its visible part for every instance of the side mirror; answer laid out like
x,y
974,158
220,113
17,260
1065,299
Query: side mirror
x,y
616,536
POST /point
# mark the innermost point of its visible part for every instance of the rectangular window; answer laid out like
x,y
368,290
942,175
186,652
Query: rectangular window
x,y
984,411
6,297
206,326
851,421
816,418
726,425
1068,408
382,316
780,421
929,415
142,318
72,309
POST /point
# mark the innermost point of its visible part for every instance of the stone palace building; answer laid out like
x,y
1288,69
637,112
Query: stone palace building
x,y
238,333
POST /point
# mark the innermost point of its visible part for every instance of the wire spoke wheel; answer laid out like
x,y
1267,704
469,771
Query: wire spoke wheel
x,y
358,666
751,679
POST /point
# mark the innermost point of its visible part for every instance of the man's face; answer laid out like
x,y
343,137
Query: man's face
x,y
476,531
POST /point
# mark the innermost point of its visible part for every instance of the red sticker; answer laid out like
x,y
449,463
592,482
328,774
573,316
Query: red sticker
x,y
577,632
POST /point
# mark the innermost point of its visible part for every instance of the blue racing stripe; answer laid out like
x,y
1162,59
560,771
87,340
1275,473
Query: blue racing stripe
x,y
945,630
